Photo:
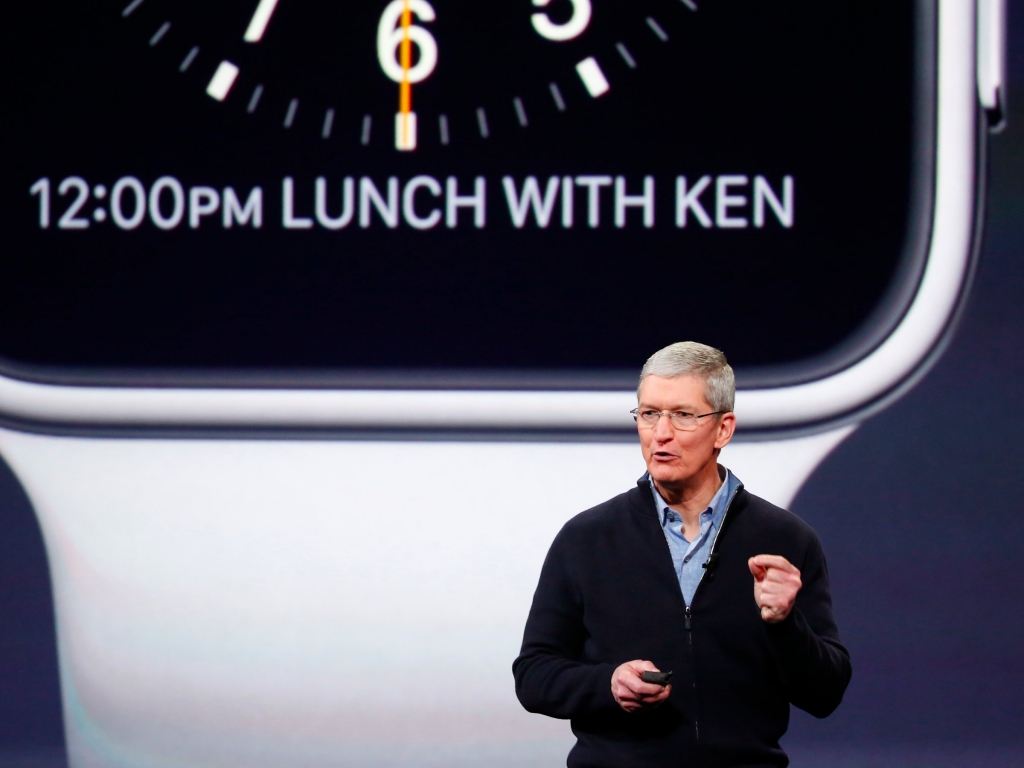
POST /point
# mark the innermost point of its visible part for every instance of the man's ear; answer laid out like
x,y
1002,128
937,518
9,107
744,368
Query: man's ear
x,y
726,429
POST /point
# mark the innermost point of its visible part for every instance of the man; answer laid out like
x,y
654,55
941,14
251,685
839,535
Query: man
x,y
688,573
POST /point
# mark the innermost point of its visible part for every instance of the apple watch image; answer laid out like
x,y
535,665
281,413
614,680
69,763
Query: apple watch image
x,y
318,320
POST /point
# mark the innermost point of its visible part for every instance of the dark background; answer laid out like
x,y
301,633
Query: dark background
x,y
919,512
819,91
920,515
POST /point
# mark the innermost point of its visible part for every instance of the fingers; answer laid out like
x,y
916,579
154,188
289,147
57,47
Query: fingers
x,y
632,680
772,570
780,605
653,701
773,561
773,614
631,693
645,702
779,583
776,600
769,587
776,584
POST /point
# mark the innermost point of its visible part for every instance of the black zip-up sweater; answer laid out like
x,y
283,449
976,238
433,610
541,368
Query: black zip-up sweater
x,y
608,594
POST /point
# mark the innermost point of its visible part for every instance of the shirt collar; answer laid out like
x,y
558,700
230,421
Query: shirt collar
x,y
716,507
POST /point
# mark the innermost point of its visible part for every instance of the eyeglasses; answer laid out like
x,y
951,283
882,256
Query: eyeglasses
x,y
681,420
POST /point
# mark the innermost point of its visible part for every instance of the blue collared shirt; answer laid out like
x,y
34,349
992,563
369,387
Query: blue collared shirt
x,y
689,557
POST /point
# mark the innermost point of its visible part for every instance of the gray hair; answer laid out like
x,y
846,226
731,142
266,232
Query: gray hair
x,y
688,358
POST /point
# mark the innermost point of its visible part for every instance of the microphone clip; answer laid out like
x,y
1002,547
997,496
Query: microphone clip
x,y
711,564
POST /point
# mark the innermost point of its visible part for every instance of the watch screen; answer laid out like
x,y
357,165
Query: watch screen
x,y
524,193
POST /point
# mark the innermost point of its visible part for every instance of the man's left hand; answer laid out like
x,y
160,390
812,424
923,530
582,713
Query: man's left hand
x,y
776,584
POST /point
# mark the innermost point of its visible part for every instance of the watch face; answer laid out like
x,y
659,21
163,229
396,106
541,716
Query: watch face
x,y
524,193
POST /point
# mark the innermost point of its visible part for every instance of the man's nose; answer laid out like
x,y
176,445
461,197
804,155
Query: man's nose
x,y
664,430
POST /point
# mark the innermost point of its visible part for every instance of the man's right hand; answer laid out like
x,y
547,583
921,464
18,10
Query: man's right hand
x,y
633,694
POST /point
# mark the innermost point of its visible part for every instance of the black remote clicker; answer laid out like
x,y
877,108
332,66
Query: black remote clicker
x,y
658,678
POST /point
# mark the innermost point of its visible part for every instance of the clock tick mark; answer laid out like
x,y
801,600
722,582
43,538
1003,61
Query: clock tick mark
x,y
189,58
328,124
626,55
130,7
443,125
254,100
556,94
656,29
520,111
289,118
690,4
367,125
260,19
159,34
481,119
592,76
222,80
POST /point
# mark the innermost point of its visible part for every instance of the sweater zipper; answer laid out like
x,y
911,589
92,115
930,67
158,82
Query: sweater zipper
x,y
689,612
689,638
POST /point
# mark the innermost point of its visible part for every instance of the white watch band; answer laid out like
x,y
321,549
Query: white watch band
x,y
268,603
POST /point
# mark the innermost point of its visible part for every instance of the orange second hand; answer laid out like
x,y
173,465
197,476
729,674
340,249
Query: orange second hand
x,y
405,98
405,89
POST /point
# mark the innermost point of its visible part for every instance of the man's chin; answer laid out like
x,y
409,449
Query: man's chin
x,y
664,474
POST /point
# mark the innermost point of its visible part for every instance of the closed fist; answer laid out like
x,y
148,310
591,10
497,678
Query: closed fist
x,y
776,584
